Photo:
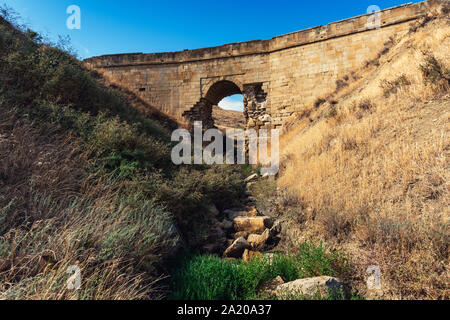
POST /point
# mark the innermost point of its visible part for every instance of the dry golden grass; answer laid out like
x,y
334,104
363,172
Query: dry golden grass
x,y
372,171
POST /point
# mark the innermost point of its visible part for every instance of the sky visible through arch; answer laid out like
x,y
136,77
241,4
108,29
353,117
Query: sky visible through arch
x,y
117,26
234,103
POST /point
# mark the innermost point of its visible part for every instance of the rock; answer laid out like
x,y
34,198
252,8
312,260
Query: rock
x,y
215,234
225,225
276,229
270,287
259,241
248,255
310,287
241,234
253,213
232,214
265,118
217,240
251,178
237,248
212,210
253,224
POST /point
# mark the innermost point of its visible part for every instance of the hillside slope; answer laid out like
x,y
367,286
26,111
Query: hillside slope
x,y
367,167
86,180
224,119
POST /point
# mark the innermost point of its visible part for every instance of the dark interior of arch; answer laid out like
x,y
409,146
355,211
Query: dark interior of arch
x,y
220,90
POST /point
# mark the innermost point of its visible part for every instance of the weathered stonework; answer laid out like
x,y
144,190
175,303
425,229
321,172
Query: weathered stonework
x,y
277,77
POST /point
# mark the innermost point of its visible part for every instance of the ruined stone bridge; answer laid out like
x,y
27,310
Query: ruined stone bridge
x,y
277,77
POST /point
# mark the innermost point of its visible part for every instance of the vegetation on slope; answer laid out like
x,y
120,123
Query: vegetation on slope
x,y
87,180
368,166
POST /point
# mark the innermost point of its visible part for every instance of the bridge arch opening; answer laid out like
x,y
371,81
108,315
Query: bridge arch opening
x,y
229,113
207,109
220,90
254,104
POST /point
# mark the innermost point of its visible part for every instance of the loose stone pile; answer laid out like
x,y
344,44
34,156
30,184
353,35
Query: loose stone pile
x,y
246,234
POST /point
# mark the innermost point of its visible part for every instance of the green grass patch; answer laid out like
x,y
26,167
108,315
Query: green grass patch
x,y
211,278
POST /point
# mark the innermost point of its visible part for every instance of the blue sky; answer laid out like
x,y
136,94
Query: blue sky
x,y
114,26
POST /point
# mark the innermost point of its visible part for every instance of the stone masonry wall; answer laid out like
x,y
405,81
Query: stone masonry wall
x,y
277,77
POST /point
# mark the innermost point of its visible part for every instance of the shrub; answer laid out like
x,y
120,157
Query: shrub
x,y
435,73
391,231
366,105
334,225
142,231
319,102
332,111
391,87
340,84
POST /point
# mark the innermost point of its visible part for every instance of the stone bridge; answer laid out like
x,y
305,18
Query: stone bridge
x,y
277,77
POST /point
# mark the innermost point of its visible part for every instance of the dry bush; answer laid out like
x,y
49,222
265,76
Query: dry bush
x,y
391,87
435,73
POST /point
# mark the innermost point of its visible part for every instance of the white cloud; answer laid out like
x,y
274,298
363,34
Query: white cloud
x,y
232,103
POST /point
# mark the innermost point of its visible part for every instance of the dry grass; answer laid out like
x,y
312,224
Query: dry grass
x,y
374,168
53,216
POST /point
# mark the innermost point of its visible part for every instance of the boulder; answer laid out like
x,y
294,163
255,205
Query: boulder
x,y
241,234
251,178
232,214
276,229
253,224
310,287
248,255
237,248
253,213
265,118
259,241
270,287
216,234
